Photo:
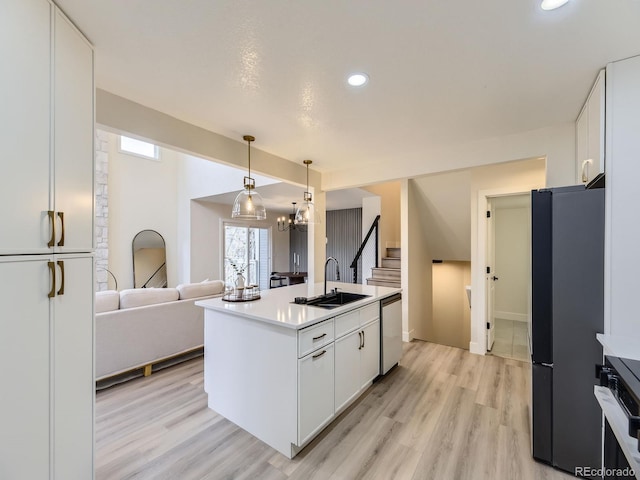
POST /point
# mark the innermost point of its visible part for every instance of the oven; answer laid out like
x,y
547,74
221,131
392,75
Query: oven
x,y
621,453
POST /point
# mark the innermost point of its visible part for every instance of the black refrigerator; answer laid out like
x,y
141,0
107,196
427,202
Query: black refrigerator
x,y
567,254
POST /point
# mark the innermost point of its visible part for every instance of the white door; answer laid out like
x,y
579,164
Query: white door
x,y
347,352
73,138
73,368
370,353
490,275
24,361
315,391
25,86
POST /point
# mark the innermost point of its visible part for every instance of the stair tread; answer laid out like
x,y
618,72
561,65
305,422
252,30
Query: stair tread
x,y
388,283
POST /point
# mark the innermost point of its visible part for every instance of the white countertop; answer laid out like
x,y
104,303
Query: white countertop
x,y
275,305
623,347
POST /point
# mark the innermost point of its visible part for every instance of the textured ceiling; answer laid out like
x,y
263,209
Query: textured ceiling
x,y
441,72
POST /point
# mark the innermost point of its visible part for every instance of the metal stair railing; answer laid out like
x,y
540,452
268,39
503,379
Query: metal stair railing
x,y
354,264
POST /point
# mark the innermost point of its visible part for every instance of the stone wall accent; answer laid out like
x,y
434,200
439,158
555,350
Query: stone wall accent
x,y
102,211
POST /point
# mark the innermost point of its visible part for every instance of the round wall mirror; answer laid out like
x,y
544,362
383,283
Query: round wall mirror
x,y
149,260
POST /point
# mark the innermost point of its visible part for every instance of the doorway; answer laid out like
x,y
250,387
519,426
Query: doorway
x,y
508,276
246,252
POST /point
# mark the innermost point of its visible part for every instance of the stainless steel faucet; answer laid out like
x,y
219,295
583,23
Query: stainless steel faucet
x,y
325,272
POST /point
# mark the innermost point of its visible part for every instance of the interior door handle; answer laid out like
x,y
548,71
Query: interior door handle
x,y
494,278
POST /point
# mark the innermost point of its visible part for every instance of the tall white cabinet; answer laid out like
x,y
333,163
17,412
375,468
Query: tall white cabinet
x,y
622,199
590,133
46,245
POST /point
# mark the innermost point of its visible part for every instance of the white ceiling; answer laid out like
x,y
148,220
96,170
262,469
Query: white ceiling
x,y
442,72
278,196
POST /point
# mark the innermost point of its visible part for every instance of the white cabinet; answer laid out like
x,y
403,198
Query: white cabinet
x,y
24,357
348,383
25,89
357,353
46,239
73,138
46,349
72,369
622,198
590,133
370,353
46,143
315,392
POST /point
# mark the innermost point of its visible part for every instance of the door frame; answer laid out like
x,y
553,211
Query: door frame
x,y
478,343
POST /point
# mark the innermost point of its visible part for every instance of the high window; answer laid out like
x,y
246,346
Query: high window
x,y
139,148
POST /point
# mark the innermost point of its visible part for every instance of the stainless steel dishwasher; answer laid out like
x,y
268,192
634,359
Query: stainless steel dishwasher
x,y
390,332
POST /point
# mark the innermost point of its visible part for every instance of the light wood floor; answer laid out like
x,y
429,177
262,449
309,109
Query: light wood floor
x,y
441,414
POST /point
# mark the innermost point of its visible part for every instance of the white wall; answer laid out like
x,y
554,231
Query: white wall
x,y
450,318
494,180
416,267
371,207
142,195
512,259
206,240
556,144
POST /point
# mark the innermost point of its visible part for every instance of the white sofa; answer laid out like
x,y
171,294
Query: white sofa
x,y
138,328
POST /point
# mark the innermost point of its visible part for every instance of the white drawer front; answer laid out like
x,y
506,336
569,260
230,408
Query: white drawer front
x,y
369,313
347,322
314,337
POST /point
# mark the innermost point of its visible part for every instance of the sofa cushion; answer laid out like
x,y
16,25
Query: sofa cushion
x,y
203,289
107,300
139,297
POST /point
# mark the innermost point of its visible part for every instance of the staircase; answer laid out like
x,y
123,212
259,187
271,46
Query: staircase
x,y
389,274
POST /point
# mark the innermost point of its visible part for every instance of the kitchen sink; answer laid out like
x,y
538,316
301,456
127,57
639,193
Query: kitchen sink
x,y
331,300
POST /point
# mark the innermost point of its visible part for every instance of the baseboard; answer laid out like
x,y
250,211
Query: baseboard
x,y
516,317
407,336
476,348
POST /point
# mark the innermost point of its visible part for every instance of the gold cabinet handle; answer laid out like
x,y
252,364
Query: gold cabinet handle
x,y
52,270
52,221
61,242
61,265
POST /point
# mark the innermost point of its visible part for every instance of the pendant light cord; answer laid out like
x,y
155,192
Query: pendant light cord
x,y
249,155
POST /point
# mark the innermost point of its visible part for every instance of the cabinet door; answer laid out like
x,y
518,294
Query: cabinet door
x,y
315,392
73,369
582,130
24,361
595,137
73,137
370,354
347,368
25,116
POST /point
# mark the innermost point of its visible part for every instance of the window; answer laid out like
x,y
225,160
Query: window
x,y
248,249
139,148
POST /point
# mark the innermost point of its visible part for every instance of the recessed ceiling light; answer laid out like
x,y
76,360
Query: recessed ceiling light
x,y
358,79
552,4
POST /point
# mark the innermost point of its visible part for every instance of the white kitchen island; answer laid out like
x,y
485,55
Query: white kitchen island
x,y
283,371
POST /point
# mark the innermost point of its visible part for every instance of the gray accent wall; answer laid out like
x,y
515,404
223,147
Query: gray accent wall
x,y
344,237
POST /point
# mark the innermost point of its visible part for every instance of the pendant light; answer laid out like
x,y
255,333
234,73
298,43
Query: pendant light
x,y
285,224
248,205
306,214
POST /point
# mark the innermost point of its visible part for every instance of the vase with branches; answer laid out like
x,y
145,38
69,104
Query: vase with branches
x,y
239,270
